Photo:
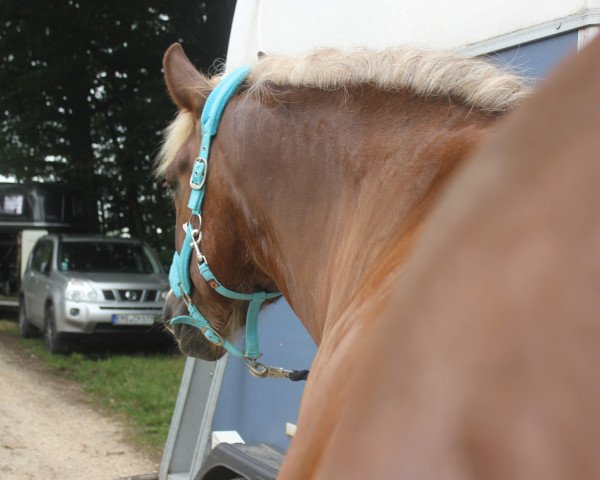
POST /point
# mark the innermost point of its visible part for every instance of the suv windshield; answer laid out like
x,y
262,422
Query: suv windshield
x,y
105,257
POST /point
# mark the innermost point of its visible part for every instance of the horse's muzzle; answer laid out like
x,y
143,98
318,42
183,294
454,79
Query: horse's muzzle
x,y
191,341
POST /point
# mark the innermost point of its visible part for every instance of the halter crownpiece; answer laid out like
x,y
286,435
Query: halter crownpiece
x,y
179,275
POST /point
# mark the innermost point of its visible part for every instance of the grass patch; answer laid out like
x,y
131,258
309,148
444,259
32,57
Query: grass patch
x,y
140,386
8,327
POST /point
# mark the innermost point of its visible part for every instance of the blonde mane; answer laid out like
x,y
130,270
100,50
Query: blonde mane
x,y
477,83
174,137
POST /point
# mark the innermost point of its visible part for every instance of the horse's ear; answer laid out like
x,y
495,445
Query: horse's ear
x,y
188,87
261,55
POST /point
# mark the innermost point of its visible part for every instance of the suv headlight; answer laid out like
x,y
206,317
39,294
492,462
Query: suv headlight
x,y
80,291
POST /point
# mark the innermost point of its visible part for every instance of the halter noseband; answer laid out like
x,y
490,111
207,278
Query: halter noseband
x,y
179,275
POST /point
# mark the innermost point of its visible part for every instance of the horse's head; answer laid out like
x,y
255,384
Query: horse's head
x,y
224,226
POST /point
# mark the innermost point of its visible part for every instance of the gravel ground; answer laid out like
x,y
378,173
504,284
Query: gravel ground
x,y
48,430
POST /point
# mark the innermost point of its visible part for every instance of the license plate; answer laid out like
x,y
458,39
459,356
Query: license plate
x,y
133,319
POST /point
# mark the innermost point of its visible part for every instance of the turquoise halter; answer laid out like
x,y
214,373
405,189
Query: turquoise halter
x,y
179,276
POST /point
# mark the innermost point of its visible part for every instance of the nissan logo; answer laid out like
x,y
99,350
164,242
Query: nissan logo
x,y
131,295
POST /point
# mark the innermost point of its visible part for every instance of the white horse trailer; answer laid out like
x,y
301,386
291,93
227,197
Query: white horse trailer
x,y
221,402
28,211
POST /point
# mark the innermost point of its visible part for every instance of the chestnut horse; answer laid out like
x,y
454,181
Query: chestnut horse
x,y
322,178
484,365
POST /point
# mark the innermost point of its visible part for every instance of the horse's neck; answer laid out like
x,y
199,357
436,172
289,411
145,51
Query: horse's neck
x,y
337,185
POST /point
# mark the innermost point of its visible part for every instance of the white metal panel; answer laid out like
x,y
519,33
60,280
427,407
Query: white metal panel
x,y
276,26
191,425
28,239
586,35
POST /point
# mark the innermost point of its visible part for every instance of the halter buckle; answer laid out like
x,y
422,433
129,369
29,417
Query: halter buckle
x,y
212,336
200,168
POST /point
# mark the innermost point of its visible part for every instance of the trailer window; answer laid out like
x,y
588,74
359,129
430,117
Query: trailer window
x,y
11,204
52,206
75,208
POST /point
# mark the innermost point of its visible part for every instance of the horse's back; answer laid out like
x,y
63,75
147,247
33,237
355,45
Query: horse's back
x,y
484,364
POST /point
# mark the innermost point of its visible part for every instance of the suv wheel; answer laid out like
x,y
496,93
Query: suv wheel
x,y
26,330
53,340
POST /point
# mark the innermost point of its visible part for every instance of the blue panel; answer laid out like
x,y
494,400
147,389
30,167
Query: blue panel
x,y
258,408
535,60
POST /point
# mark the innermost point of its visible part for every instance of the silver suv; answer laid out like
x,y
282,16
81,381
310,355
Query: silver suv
x,y
91,286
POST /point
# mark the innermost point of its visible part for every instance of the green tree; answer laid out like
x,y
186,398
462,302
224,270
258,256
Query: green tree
x,y
82,98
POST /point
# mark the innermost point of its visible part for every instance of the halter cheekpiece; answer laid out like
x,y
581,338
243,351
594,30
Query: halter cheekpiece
x,y
179,275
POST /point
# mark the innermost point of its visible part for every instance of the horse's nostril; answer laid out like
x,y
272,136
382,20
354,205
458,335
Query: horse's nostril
x,y
172,307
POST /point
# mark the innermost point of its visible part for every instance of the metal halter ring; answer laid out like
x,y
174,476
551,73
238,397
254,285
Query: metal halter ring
x,y
196,235
196,245
261,370
256,369
184,296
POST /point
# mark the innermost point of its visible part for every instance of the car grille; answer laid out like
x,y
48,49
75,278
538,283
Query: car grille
x,y
108,294
131,295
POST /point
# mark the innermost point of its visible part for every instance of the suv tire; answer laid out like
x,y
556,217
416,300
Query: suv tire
x,y
26,330
53,340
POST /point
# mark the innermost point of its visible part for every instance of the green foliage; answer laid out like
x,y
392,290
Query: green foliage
x,y
142,387
83,99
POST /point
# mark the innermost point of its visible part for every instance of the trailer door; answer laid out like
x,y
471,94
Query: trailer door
x,y
35,282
